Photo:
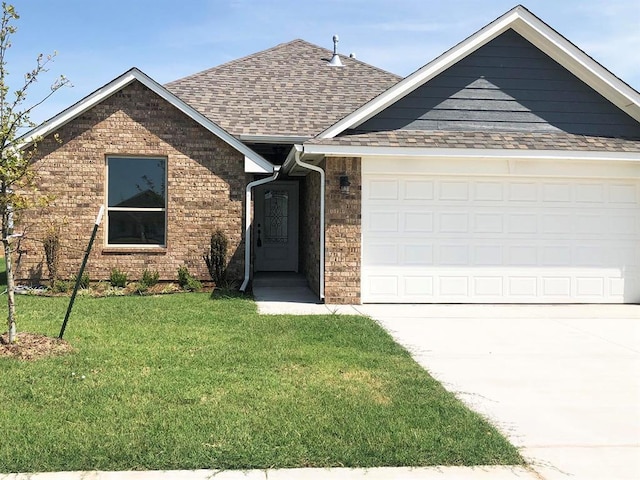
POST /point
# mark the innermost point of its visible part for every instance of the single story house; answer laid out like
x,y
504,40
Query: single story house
x,y
507,170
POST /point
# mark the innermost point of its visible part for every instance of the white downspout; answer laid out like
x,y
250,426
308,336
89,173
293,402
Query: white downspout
x,y
322,227
248,223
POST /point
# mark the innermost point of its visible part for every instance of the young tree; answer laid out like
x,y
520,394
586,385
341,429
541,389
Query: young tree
x,y
16,173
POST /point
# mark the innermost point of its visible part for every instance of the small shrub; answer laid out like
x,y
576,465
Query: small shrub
x,y
51,243
84,280
118,278
186,281
61,286
216,259
149,279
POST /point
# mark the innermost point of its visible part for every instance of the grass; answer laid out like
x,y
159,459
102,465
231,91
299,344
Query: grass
x,y
186,382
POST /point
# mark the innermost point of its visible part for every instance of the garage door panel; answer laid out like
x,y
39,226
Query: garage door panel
x,y
589,193
382,254
590,287
384,285
383,221
441,239
522,223
556,256
523,192
418,190
590,224
522,286
383,190
488,223
625,194
487,255
488,192
417,222
417,286
488,286
622,225
453,287
453,222
452,255
556,193
418,254
590,256
556,287
557,223
453,190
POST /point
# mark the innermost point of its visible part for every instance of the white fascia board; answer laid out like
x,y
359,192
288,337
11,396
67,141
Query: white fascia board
x,y
250,166
531,28
121,82
351,151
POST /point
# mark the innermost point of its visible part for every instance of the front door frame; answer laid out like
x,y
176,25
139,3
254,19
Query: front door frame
x,y
283,257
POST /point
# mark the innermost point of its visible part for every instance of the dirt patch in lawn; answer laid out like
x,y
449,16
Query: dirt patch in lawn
x,y
32,346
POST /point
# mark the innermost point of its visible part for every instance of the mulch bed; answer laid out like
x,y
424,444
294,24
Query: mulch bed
x,y
32,346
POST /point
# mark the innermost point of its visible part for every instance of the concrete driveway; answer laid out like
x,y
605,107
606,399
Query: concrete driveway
x,y
562,382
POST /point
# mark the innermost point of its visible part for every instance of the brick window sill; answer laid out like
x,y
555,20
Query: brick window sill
x,y
134,250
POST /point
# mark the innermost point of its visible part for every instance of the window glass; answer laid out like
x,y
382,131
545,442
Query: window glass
x,y
136,200
137,182
136,227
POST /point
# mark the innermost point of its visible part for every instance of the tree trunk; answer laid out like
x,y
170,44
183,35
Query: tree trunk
x,y
11,303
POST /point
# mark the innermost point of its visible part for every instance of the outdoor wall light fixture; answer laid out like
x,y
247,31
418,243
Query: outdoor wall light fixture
x,y
344,184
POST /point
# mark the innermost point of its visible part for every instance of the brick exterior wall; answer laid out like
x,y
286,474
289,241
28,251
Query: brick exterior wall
x,y
310,230
343,232
205,189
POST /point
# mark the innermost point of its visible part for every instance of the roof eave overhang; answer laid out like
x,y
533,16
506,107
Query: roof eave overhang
x,y
320,151
535,31
254,163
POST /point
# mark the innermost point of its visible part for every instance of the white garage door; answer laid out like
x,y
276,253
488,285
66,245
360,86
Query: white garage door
x,y
497,240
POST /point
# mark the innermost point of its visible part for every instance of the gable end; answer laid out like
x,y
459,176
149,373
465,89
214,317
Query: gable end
x,y
507,84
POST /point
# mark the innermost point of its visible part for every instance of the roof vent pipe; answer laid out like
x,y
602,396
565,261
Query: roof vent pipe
x,y
335,60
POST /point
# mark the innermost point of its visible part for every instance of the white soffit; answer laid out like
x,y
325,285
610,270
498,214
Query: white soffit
x,y
254,163
535,31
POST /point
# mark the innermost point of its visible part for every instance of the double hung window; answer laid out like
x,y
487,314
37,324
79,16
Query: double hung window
x,y
137,201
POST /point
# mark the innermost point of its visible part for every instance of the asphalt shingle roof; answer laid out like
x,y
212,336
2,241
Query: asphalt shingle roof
x,y
482,140
287,90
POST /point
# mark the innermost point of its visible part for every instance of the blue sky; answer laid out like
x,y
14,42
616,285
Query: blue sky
x,y
97,40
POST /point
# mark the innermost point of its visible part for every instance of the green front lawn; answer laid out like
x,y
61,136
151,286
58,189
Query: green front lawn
x,y
186,382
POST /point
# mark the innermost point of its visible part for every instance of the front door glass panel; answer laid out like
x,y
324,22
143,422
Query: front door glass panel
x,y
276,219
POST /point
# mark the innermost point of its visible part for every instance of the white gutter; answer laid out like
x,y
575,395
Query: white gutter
x,y
369,151
248,223
298,151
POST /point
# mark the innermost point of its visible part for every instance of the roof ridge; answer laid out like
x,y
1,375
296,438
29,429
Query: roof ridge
x,y
381,70
245,58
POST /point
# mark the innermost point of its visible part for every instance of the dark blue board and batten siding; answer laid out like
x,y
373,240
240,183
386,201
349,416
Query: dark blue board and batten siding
x,y
506,85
